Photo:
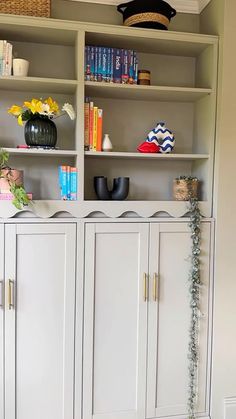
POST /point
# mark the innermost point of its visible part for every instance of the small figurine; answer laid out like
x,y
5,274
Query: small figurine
x,y
159,140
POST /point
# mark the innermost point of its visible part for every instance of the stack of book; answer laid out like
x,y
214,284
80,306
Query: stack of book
x,y
5,58
68,183
93,121
111,65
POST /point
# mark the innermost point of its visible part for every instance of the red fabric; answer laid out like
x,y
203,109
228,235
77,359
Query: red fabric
x,y
147,147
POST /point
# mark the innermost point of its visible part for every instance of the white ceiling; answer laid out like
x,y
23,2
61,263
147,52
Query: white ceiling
x,y
183,6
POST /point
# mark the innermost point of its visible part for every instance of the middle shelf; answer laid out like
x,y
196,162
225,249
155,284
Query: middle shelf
x,y
127,155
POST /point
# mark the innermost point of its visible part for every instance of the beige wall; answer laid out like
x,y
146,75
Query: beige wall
x,y
219,18
90,12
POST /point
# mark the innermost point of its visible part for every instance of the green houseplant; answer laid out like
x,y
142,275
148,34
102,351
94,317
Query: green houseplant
x,y
15,186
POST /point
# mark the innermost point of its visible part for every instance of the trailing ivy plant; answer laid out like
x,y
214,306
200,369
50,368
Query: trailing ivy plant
x,y
20,197
194,290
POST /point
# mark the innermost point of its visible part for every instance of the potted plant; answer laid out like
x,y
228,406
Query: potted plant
x,y
40,130
11,181
185,188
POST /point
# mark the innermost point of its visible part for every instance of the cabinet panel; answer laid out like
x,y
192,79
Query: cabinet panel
x,y
1,321
169,320
40,262
116,258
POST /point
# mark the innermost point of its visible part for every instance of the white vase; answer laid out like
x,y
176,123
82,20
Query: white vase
x,y
107,144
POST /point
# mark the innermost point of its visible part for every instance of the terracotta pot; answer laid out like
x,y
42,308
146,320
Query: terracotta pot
x,y
13,175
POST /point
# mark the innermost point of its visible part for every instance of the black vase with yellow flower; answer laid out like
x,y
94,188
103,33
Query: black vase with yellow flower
x,y
40,131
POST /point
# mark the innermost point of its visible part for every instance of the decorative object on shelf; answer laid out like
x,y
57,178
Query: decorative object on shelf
x,y
20,67
144,77
40,8
159,140
152,14
11,181
194,291
106,143
119,191
185,188
40,130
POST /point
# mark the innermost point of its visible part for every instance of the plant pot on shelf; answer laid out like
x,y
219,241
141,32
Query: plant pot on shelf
x,y
185,189
40,131
9,176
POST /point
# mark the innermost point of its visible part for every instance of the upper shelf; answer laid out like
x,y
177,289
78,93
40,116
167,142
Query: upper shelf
x,y
37,84
39,152
64,32
137,92
135,155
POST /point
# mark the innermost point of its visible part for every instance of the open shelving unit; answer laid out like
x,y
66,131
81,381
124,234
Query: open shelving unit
x,y
183,93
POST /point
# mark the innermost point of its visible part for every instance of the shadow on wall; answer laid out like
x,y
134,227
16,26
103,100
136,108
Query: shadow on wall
x,y
100,13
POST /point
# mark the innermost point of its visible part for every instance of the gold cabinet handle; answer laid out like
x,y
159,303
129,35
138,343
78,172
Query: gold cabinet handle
x,y
145,287
1,294
10,294
155,287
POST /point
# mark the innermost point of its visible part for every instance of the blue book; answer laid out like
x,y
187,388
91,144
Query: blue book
x,y
62,182
96,64
117,66
68,183
124,66
112,64
104,63
131,66
88,63
109,73
73,181
92,63
135,68
99,75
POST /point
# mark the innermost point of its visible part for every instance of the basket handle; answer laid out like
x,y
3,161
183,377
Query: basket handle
x,y
173,12
123,6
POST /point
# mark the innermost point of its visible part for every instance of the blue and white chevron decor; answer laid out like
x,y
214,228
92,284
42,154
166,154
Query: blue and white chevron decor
x,y
162,137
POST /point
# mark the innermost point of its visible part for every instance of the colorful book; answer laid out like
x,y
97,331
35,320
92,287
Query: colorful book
x,y
125,66
109,72
117,66
88,63
99,130
92,63
73,182
96,64
104,63
63,182
86,124
95,127
68,183
91,106
99,74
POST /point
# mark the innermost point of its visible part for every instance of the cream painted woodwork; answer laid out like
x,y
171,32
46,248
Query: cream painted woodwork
x,y
115,321
169,320
182,93
120,336
1,321
39,320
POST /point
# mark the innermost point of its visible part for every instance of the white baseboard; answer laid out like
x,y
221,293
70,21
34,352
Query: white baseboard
x,y
230,408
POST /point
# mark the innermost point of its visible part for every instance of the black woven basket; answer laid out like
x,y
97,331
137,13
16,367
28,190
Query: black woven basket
x,y
152,14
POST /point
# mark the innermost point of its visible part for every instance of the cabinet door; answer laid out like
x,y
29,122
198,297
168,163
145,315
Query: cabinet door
x,y
1,321
39,321
169,320
115,328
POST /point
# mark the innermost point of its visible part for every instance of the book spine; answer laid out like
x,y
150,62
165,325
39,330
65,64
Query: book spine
x,y
99,76
62,182
91,106
109,75
92,63
125,69
131,66
95,127
117,66
86,124
96,64
104,64
8,61
135,68
99,136
112,64
85,62
88,67
68,183
73,179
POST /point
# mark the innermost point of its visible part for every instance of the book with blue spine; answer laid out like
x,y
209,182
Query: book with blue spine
x,y
131,66
112,64
117,66
104,63
92,63
88,63
99,75
68,183
135,68
63,182
124,66
96,64
73,182
109,74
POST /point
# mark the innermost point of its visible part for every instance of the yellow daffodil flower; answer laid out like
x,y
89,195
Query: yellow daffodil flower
x,y
53,105
35,106
19,120
15,110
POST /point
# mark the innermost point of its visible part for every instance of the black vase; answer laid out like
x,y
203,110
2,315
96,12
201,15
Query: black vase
x,y
119,192
40,131
101,188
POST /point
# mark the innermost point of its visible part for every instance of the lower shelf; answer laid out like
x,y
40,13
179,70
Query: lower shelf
x,y
113,209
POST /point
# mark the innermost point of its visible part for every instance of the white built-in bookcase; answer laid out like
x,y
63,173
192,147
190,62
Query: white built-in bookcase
x,y
182,93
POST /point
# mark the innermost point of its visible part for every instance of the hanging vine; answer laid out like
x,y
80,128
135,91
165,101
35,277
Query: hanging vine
x,y
194,290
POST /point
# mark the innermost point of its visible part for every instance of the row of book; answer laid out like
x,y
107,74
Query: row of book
x,y
5,58
111,65
93,123
68,178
